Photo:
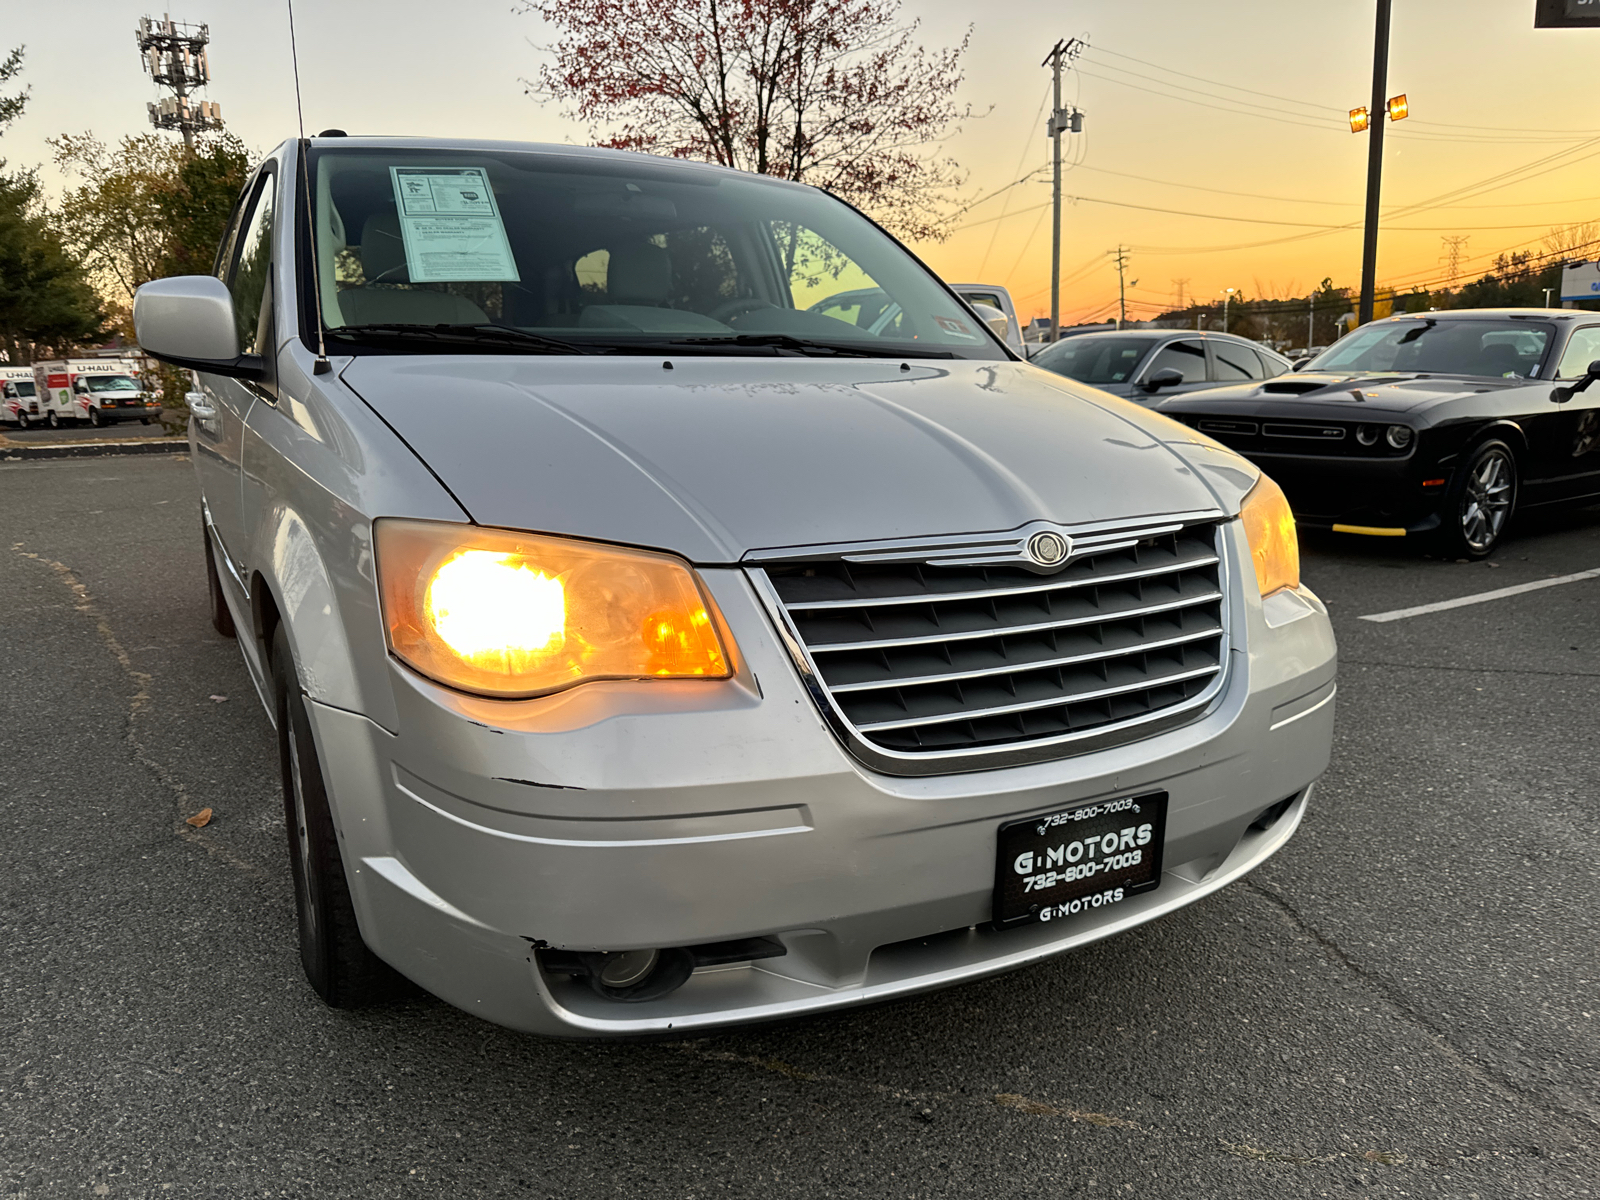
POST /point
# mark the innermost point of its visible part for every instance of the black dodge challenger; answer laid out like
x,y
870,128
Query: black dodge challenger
x,y
1436,425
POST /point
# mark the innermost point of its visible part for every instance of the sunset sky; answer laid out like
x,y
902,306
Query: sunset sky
x,y
1232,111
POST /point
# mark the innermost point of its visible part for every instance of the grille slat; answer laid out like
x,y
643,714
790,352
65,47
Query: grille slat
x,y
1004,709
932,660
1088,619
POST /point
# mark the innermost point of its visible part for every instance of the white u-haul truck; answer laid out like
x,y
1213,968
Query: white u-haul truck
x,y
101,391
18,402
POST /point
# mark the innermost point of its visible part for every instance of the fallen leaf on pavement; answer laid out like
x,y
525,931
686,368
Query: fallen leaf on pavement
x,y
219,699
200,820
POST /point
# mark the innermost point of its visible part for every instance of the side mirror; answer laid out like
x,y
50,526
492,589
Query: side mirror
x,y
1299,362
1170,377
187,321
1561,395
999,324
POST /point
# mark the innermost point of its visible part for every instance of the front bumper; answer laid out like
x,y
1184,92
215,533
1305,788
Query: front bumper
x,y
626,816
111,416
1325,491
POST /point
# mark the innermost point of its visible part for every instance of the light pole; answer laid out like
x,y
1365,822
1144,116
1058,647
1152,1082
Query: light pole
x,y
1227,296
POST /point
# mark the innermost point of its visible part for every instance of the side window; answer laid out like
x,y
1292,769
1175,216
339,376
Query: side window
x,y
1188,357
1235,362
1582,350
1271,366
253,259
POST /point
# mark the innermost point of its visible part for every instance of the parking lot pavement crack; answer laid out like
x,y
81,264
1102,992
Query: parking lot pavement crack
x,y
1406,666
138,706
1396,1000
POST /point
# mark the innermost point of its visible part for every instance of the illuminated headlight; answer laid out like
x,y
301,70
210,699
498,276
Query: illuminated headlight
x,y
1274,543
519,614
1398,436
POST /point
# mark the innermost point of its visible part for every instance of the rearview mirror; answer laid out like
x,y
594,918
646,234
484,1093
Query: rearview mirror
x,y
1170,377
187,321
1561,395
999,324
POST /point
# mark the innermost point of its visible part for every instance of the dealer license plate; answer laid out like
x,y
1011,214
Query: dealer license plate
x,y
1079,859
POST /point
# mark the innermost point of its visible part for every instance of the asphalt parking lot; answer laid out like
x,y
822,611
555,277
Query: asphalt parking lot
x,y
1403,1003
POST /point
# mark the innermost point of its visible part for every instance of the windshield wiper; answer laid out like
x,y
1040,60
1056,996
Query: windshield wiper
x,y
462,335
787,341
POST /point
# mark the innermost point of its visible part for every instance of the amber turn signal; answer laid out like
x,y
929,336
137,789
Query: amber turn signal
x,y
1274,545
514,615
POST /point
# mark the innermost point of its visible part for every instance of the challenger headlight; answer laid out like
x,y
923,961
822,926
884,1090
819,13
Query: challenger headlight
x,y
1274,547
520,614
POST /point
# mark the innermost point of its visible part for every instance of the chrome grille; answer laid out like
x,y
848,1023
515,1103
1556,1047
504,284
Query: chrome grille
x,y
923,663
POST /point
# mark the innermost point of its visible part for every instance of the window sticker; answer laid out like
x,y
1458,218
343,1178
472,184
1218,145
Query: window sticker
x,y
451,226
954,327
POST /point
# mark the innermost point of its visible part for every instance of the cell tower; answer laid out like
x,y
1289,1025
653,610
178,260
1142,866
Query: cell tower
x,y
174,55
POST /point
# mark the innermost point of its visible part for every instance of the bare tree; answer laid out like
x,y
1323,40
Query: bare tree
x,y
836,93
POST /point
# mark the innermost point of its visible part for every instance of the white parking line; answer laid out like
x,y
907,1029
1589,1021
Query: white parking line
x,y
1401,614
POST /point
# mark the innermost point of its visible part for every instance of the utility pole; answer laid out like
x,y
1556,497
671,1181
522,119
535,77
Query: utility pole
x,y
174,54
1180,284
1122,291
1380,88
1227,297
1061,121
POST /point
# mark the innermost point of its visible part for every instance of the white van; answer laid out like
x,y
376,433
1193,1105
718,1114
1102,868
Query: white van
x,y
101,391
19,401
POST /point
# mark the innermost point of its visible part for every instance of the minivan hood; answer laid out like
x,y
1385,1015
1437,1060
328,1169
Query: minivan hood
x,y
715,457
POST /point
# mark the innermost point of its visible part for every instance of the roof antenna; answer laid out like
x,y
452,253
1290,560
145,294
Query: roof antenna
x,y
322,366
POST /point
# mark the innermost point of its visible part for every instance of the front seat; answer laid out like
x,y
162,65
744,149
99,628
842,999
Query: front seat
x,y
1498,359
639,273
379,302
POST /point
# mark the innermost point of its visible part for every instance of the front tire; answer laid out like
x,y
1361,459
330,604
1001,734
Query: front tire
x,y
1481,501
95,418
338,965
22,420
55,419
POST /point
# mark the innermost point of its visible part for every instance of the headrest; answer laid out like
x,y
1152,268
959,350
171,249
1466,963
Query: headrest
x,y
383,254
638,273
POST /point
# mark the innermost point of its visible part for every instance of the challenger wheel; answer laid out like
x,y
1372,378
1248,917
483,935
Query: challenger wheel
x,y
1480,502
337,963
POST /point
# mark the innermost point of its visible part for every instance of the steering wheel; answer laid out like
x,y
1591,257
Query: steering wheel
x,y
737,307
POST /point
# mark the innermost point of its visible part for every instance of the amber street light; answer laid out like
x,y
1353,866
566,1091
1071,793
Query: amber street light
x,y
1360,119
1399,110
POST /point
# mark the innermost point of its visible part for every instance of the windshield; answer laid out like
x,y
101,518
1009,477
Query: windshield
x,y
111,383
1095,359
580,253
1500,349
23,387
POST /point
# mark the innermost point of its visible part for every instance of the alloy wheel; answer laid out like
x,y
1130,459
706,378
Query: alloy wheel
x,y
1486,499
302,843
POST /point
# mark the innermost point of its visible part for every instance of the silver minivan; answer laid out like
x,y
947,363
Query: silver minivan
x,y
654,645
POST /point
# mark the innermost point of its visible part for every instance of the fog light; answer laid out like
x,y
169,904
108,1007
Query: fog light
x,y
628,967
1367,435
1398,436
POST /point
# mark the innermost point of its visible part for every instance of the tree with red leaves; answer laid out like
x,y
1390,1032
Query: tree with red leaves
x,y
835,93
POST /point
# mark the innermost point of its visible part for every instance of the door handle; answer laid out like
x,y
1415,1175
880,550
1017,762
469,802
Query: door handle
x,y
204,411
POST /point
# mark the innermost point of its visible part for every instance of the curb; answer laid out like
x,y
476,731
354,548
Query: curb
x,y
15,452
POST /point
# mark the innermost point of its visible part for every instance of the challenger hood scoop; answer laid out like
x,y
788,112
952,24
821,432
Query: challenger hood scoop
x,y
717,457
